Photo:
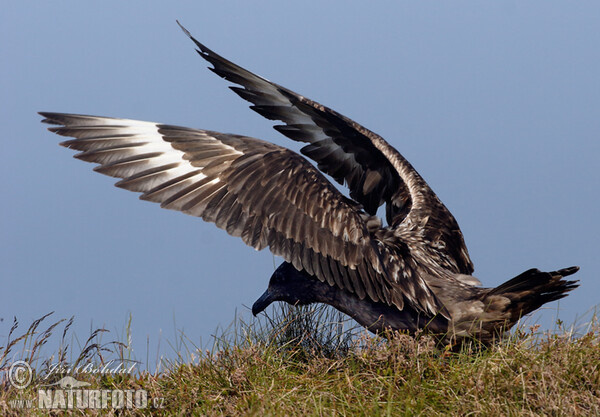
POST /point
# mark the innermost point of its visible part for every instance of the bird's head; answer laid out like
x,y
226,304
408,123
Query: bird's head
x,y
289,285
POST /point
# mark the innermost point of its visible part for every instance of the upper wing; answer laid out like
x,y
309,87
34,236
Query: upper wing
x,y
373,170
261,192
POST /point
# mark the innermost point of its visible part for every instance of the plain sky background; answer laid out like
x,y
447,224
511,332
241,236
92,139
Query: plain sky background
x,y
496,104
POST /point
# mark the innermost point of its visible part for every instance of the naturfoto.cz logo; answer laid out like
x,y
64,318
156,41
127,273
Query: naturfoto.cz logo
x,y
70,393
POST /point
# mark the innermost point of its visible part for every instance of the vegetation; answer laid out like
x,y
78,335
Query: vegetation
x,y
312,362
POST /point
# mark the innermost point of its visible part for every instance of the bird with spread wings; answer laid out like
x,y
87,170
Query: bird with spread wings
x,y
412,274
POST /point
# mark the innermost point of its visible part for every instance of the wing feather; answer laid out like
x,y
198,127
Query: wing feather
x,y
261,192
374,172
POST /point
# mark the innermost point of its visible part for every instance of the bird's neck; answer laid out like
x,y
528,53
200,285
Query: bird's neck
x,y
376,316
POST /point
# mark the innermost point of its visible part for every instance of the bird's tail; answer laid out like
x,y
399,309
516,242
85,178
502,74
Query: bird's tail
x,y
503,306
532,289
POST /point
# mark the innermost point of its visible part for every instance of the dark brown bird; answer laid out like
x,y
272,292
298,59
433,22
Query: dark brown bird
x,y
415,273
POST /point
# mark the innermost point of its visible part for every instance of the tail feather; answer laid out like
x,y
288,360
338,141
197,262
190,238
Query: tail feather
x,y
534,288
493,311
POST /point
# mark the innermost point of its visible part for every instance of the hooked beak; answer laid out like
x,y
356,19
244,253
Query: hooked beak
x,y
263,302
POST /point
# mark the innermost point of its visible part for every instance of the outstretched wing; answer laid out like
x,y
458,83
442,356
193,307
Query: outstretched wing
x,y
374,172
261,192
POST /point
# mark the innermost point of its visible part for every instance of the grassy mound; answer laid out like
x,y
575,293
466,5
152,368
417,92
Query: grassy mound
x,y
308,361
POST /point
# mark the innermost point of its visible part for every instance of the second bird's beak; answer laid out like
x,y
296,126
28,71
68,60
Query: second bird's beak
x,y
263,302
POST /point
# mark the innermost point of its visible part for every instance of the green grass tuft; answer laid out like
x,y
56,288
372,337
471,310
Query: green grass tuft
x,y
309,361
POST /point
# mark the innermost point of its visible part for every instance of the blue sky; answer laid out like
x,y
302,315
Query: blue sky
x,y
497,105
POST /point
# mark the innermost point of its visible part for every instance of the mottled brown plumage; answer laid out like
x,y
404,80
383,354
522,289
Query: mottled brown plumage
x,y
412,274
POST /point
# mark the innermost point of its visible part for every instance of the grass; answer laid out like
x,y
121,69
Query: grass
x,y
309,361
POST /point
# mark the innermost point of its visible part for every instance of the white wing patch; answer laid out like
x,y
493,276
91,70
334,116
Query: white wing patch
x,y
137,152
